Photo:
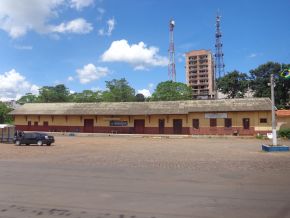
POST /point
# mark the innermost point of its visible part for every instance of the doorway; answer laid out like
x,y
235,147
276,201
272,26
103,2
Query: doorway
x,y
161,126
177,126
246,123
139,126
88,125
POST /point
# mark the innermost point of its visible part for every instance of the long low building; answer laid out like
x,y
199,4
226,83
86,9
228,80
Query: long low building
x,y
198,117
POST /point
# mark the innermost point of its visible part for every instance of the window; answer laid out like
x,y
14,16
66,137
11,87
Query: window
x,y
45,123
29,123
195,123
246,123
35,123
228,122
263,120
212,122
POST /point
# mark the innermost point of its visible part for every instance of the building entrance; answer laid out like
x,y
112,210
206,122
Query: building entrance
x,y
177,126
88,125
161,126
139,126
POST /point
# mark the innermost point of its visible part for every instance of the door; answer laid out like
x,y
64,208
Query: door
x,y
177,126
139,126
246,123
161,126
88,125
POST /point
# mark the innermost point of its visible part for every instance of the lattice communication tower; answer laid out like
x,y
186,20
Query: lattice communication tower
x,y
171,53
219,55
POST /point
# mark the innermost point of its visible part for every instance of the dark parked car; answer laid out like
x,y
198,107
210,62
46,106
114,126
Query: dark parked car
x,y
33,138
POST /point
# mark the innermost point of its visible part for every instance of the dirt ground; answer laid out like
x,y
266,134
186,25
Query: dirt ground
x,y
172,153
144,177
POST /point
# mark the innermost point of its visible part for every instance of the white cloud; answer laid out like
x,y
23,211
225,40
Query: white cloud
x,y
19,17
101,32
145,92
101,12
23,47
90,73
13,85
138,55
253,55
150,85
111,26
80,4
80,26
70,78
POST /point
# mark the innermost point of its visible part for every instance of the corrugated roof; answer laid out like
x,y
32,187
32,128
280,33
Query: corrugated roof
x,y
283,113
141,108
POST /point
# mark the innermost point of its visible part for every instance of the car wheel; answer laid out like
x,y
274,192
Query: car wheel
x,y
39,142
48,144
17,143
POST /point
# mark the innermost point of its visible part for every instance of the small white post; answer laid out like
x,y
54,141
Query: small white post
x,y
274,134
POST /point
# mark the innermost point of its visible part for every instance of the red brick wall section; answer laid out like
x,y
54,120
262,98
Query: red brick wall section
x,y
222,131
147,130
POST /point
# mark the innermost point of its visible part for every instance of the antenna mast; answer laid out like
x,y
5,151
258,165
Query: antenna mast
x,y
219,55
171,64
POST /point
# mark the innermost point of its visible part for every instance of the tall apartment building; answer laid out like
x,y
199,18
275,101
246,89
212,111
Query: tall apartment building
x,y
200,74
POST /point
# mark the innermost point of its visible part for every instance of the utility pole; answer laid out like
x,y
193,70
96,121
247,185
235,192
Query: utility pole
x,y
274,133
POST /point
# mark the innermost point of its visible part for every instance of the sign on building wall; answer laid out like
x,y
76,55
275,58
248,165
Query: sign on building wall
x,y
118,123
215,115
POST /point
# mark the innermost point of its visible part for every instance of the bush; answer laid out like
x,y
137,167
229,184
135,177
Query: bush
x,y
284,133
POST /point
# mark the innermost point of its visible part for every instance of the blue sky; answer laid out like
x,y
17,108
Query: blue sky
x,y
83,43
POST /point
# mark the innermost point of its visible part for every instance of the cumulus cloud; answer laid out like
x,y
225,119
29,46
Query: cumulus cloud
x,y
138,55
111,26
145,92
80,26
13,85
90,73
80,4
19,17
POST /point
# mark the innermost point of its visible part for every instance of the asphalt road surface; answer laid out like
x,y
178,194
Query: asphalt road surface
x,y
117,177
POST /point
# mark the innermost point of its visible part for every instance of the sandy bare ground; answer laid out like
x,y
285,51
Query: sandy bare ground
x,y
144,178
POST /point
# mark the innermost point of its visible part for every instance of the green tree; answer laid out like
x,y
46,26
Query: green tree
x,y
58,93
86,96
118,91
260,78
233,84
4,116
171,91
28,98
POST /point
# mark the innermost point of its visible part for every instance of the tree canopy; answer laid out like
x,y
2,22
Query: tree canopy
x,y
260,78
4,116
86,96
233,84
171,91
118,91
58,93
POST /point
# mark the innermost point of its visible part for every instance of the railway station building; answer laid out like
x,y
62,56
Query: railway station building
x,y
248,116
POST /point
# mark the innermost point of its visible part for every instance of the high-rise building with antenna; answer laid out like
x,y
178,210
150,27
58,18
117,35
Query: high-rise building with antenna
x,y
219,55
171,53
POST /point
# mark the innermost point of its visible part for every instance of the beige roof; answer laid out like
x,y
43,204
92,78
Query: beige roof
x,y
141,108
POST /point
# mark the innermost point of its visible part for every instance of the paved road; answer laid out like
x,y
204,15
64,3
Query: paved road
x,y
40,187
